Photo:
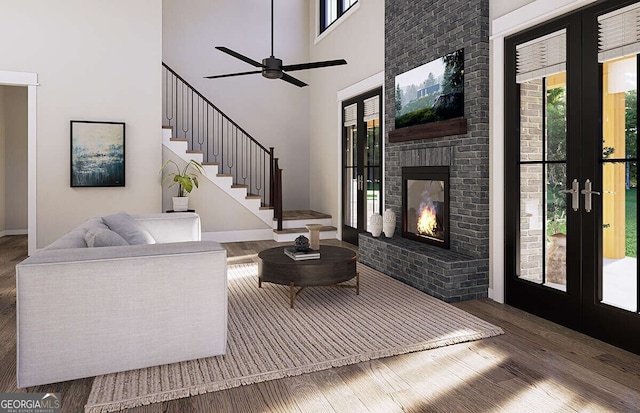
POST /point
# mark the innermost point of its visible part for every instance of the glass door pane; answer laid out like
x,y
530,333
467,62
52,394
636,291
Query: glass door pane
x,y
543,179
373,169
619,280
351,177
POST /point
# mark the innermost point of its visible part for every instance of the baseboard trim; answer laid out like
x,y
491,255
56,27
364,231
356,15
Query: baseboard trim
x,y
13,232
239,236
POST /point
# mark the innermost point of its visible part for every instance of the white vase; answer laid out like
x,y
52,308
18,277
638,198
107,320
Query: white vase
x,y
375,225
180,203
388,223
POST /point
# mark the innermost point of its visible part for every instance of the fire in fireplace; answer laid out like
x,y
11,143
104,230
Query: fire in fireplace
x,y
425,209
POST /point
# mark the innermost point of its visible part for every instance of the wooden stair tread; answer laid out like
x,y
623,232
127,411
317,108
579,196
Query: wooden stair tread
x,y
265,208
211,163
303,230
224,175
178,140
194,151
302,214
253,197
167,127
239,186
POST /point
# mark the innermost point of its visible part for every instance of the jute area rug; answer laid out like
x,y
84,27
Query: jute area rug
x,y
329,327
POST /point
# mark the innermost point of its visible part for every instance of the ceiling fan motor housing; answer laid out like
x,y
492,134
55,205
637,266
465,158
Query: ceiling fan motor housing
x,y
272,68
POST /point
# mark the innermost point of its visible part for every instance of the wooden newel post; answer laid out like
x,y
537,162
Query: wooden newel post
x,y
271,177
278,193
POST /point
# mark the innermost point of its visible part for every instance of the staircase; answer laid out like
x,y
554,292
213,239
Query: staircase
x,y
233,161
294,225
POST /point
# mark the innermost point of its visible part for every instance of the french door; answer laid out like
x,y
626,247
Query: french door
x,y
361,162
571,171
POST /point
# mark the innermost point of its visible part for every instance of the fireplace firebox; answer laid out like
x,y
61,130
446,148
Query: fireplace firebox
x,y
425,204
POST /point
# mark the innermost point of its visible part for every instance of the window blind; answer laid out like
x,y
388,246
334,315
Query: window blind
x,y
619,33
372,108
541,57
351,115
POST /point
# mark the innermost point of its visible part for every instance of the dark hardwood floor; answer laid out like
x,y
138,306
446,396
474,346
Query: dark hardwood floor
x,y
536,366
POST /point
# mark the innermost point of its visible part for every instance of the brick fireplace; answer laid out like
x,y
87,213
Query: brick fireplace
x,y
415,33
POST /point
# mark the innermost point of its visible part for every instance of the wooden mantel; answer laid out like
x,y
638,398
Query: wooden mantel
x,y
457,126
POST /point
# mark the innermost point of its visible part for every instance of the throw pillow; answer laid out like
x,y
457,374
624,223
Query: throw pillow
x,y
73,239
127,227
102,237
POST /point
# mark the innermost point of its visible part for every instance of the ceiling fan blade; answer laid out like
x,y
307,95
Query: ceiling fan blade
x,y
253,72
239,56
293,80
313,65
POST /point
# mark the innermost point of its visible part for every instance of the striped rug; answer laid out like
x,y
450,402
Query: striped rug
x,y
329,327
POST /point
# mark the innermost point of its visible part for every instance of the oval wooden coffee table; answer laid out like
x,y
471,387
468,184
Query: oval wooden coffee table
x,y
335,265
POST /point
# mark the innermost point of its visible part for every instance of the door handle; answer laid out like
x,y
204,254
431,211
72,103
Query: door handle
x,y
587,195
575,195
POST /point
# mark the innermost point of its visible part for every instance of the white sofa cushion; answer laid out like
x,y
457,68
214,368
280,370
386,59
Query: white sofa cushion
x,y
102,237
73,239
127,227
174,227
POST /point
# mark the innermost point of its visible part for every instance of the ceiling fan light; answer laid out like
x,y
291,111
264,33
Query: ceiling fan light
x,y
272,68
272,73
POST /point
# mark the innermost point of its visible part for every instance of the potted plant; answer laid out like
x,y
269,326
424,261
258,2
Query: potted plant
x,y
185,180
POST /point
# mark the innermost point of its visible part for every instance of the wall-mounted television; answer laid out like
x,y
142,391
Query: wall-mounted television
x,y
431,92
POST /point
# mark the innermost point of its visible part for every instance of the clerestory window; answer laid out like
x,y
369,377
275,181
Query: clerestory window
x,y
332,10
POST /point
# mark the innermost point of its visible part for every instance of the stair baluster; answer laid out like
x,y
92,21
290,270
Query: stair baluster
x,y
222,141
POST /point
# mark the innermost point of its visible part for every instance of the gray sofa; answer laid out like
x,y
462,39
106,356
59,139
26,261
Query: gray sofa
x,y
85,311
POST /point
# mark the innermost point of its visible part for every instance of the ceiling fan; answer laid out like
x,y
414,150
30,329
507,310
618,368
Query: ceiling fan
x,y
272,67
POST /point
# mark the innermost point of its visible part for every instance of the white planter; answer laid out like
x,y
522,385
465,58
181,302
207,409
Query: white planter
x,y
557,259
389,223
375,225
180,203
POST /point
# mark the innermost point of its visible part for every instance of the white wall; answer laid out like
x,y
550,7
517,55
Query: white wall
x,y
97,60
2,160
16,182
274,112
218,211
359,39
498,8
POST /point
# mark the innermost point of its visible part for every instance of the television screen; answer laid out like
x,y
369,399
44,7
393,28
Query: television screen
x,y
431,92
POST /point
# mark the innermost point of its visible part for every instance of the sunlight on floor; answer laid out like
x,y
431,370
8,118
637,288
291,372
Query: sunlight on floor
x,y
231,260
244,270
435,373
542,394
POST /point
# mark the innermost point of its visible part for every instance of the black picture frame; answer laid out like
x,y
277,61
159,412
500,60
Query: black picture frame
x,y
97,154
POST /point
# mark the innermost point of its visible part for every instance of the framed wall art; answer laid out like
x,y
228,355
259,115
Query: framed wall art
x,y
97,153
431,92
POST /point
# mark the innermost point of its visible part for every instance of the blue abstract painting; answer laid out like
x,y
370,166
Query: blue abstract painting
x,y
97,154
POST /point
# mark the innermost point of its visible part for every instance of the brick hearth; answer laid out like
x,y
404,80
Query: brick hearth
x,y
441,273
